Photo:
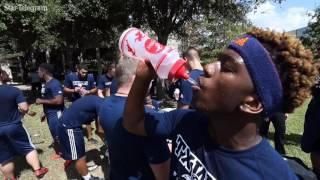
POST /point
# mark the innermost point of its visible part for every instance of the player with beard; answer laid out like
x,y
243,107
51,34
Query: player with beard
x,y
80,84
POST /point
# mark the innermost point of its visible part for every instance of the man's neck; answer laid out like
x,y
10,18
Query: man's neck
x,y
47,78
109,75
123,90
195,64
234,133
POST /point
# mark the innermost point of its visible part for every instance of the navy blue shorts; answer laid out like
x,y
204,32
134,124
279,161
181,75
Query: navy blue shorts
x,y
53,121
310,141
14,140
71,143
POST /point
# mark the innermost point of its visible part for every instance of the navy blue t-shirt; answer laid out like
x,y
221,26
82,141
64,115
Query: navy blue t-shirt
x,y
10,97
51,89
104,82
72,80
310,140
130,155
196,156
186,87
81,111
114,86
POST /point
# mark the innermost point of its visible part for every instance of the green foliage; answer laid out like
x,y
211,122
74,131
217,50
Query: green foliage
x,y
215,33
28,22
170,16
312,38
80,24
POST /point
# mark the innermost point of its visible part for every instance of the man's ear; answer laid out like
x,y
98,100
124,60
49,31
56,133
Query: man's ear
x,y
252,105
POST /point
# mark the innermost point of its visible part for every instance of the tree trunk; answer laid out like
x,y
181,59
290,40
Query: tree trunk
x,y
161,89
63,60
163,37
22,70
48,56
69,54
99,61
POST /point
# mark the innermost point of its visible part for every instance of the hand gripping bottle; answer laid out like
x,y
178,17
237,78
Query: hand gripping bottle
x,y
165,60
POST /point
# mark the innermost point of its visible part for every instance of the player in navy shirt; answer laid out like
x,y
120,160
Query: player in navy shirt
x,y
131,156
220,139
105,80
52,100
14,138
81,84
195,70
114,86
310,141
82,111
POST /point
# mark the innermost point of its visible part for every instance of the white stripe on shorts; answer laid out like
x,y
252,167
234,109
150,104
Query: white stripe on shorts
x,y
72,144
59,114
30,142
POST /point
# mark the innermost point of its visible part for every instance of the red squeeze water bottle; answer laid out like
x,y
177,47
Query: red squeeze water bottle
x,y
165,60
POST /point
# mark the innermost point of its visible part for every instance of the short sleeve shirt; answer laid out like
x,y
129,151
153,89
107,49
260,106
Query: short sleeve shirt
x,y
72,80
50,90
196,156
81,111
186,87
130,155
10,97
104,82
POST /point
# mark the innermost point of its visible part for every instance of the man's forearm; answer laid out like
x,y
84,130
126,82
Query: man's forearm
x,y
92,91
68,90
182,106
55,101
100,93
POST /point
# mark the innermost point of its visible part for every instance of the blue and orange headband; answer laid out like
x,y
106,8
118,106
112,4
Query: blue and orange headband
x,y
262,71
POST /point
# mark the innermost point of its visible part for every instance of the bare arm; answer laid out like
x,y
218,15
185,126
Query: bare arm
x,y
68,90
134,110
183,106
100,93
161,171
84,92
57,100
107,94
23,107
92,91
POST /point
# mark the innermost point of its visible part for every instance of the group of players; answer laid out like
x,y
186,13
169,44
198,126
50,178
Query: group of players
x,y
214,133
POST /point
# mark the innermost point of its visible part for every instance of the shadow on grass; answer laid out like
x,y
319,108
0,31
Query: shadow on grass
x,y
21,164
93,155
30,96
292,139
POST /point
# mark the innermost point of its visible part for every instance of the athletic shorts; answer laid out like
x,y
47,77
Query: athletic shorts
x,y
53,121
14,140
71,143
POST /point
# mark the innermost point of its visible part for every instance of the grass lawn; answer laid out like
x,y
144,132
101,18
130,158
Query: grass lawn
x,y
294,132
42,139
